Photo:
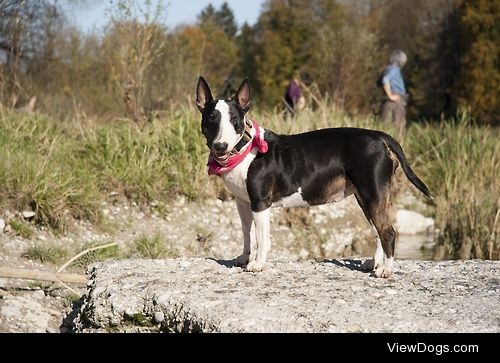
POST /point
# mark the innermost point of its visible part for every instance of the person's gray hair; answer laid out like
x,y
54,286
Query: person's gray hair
x,y
399,58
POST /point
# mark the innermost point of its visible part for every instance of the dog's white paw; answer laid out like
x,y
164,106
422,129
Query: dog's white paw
x,y
370,265
242,260
386,269
255,266
383,271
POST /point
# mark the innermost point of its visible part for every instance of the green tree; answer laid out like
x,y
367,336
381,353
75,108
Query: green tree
x,y
478,85
223,18
246,42
326,40
217,47
213,54
283,32
344,56
207,15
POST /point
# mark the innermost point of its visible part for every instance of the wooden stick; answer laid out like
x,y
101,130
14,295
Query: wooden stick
x,y
85,252
67,287
18,273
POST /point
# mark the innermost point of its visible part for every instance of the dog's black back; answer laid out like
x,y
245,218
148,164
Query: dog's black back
x,y
320,160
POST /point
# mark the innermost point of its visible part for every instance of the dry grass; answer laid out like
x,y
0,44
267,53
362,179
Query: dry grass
x,y
461,163
64,170
153,247
44,254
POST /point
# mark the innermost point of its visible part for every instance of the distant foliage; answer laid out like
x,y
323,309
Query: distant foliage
x,y
138,67
478,86
223,18
29,43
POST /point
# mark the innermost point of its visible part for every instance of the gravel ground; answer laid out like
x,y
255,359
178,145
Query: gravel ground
x,y
204,295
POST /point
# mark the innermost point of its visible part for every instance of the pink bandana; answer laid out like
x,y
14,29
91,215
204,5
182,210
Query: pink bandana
x,y
215,168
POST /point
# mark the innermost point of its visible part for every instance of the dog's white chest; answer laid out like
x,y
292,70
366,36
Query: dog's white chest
x,y
236,179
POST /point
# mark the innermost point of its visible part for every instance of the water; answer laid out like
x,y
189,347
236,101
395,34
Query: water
x,y
415,247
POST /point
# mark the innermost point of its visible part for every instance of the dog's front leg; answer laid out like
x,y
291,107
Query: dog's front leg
x,y
263,239
245,212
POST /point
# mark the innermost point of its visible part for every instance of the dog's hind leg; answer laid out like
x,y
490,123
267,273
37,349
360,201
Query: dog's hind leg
x,y
245,212
377,213
373,192
378,258
263,239
387,234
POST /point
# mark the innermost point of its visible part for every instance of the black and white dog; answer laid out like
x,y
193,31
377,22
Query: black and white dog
x,y
264,169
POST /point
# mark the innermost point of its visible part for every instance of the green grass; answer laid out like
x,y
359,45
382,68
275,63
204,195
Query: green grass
x,y
41,170
44,254
151,247
21,228
139,319
39,285
162,160
70,298
63,171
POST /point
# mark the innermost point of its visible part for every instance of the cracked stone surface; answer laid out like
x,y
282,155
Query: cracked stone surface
x,y
28,312
205,295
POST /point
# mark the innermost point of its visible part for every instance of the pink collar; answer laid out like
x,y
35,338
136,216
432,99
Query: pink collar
x,y
215,168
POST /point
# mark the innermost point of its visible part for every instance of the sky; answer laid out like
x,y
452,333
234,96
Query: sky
x,y
94,15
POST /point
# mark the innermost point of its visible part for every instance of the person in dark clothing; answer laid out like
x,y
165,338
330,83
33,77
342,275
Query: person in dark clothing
x,y
293,97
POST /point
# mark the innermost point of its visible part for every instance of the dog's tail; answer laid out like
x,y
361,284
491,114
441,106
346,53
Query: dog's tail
x,y
396,148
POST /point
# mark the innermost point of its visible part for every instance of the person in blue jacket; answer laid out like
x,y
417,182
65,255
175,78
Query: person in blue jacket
x,y
394,107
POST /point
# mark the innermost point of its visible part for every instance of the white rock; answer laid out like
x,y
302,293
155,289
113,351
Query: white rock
x,y
409,222
333,329
2,226
159,317
180,202
38,294
28,214
27,311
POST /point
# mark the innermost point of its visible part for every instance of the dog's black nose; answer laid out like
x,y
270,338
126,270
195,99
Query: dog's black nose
x,y
220,147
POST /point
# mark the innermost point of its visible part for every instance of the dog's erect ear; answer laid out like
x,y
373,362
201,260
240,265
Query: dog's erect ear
x,y
243,95
203,94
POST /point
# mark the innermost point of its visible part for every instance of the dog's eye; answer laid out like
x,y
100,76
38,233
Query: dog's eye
x,y
207,120
237,125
